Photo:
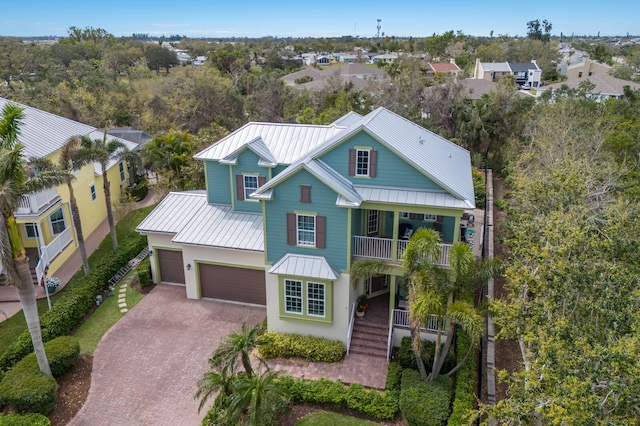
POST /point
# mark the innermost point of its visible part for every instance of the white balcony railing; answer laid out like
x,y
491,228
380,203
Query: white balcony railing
x,y
382,248
32,203
401,319
56,246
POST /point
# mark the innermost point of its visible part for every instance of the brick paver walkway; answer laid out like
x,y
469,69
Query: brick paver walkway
x,y
146,367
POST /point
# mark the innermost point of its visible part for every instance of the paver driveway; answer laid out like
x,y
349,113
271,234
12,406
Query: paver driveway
x,y
146,367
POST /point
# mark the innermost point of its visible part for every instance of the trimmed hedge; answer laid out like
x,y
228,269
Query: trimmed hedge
x,y
26,389
424,403
144,273
394,374
381,405
287,345
73,304
465,398
32,419
407,359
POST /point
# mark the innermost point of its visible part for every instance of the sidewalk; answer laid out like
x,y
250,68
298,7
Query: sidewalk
x,y
9,301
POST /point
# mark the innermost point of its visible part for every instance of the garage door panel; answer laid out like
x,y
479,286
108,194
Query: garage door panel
x,y
235,284
171,266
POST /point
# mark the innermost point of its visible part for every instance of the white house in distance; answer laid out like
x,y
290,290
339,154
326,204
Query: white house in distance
x,y
525,73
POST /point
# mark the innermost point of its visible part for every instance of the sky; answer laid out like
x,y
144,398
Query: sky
x,y
328,18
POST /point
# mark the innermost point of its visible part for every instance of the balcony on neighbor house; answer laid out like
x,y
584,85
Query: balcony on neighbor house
x,y
34,202
382,248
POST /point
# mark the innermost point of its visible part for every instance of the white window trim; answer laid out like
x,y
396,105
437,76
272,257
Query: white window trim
x,y
298,230
375,222
324,299
63,221
93,192
35,229
368,151
403,215
301,297
244,187
121,170
430,218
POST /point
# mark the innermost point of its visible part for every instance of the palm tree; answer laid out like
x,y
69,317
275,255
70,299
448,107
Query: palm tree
x,y
101,151
170,153
436,290
236,350
16,180
65,168
256,400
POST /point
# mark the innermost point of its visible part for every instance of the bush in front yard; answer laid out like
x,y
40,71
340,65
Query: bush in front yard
x,y
314,349
374,403
32,419
424,403
394,374
26,390
73,304
144,273
465,398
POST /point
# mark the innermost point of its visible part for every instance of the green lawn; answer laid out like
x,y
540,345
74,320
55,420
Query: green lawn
x,y
325,418
108,313
16,325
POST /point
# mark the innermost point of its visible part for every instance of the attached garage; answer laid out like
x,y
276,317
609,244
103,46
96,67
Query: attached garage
x,y
171,266
234,284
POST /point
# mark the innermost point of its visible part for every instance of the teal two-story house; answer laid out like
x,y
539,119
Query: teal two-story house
x,y
288,208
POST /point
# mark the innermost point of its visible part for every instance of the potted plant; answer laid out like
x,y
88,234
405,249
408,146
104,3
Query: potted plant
x,y
362,305
51,284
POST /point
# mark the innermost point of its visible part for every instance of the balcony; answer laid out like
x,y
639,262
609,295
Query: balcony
x,y
382,248
401,319
33,203
50,251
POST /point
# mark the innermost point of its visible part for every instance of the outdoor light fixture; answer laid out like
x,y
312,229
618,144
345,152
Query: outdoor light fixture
x,y
150,252
188,266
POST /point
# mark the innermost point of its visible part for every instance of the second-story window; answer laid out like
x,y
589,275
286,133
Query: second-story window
x,y
121,168
92,189
57,222
250,185
306,230
362,162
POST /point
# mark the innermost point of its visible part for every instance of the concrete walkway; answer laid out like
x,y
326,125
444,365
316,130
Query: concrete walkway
x,y
9,301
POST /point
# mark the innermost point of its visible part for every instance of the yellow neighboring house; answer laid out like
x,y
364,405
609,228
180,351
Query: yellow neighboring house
x,y
45,218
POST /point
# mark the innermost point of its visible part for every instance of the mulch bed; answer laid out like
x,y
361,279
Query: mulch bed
x,y
73,389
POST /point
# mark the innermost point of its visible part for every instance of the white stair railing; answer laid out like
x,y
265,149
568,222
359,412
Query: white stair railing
x,y
390,337
351,321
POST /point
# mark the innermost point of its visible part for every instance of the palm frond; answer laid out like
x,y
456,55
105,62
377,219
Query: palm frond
x,y
10,121
465,315
367,268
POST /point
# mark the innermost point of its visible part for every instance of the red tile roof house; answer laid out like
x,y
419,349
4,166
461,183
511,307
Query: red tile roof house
x,y
434,68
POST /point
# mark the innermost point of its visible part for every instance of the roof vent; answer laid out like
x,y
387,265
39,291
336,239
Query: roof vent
x,y
420,140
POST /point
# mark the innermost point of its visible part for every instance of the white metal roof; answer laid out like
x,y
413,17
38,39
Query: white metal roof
x,y
410,197
305,266
496,66
285,142
219,226
43,133
193,220
444,162
174,212
348,119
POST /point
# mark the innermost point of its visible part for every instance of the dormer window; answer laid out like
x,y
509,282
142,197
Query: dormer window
x,y
362,162
247,185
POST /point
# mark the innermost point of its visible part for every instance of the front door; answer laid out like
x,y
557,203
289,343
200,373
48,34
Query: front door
x,y
377,285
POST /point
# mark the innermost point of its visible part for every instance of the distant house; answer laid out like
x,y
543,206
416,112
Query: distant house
x,y
386,58
584,68
199,60
524,73
346,57
447,68
183,57
323,60
606,86
358,74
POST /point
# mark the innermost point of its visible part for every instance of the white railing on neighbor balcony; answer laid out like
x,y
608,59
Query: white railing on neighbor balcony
x,y
41,266
401,319
32,203
55,247
351,320
381,248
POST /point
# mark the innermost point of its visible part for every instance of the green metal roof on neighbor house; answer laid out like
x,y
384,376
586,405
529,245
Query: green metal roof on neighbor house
x,y
442,161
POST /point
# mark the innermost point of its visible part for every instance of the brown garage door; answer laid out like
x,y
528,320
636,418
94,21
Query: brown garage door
x,y
171,266
228,283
